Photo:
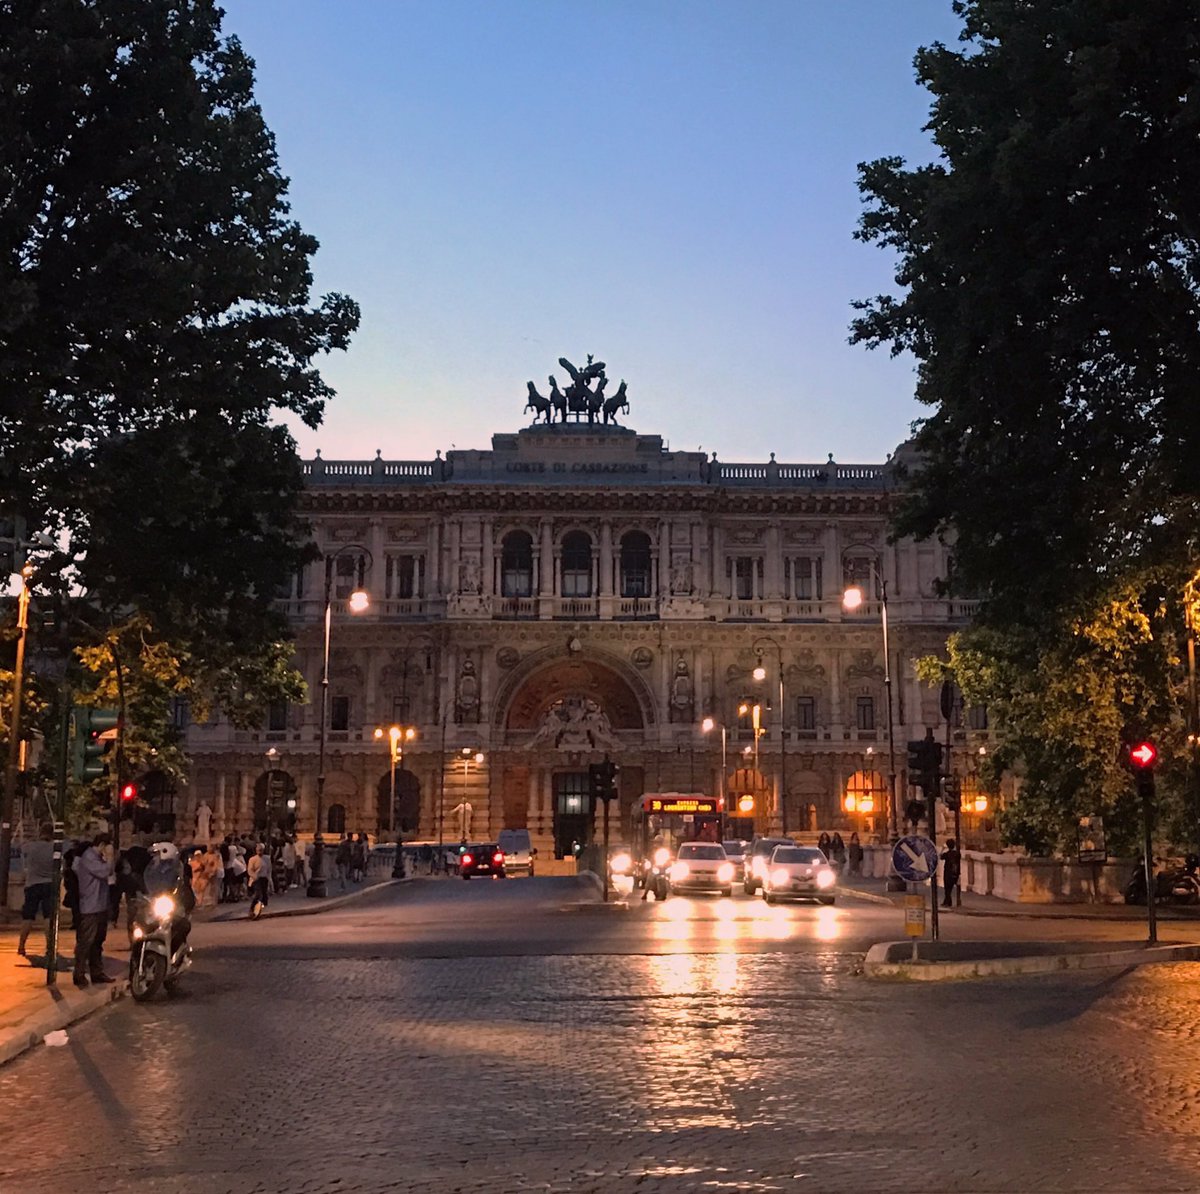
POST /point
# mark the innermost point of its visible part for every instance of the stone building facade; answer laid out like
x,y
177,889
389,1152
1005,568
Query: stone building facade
x,y
575,592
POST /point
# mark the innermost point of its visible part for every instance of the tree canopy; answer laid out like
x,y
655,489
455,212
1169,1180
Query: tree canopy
x,y
156,320
1048,285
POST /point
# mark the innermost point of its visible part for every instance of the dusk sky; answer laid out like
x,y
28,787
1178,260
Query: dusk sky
x,y
668,184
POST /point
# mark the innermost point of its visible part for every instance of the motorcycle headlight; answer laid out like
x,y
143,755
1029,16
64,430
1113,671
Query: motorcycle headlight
x,y
779,878
138,933
162,907
725,872
679,871
826,878
662,856
621,864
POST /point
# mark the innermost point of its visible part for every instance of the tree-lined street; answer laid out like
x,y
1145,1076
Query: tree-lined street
x,y
447,1036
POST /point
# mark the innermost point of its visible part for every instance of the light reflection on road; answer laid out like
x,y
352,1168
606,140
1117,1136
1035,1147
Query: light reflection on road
x,y
694,921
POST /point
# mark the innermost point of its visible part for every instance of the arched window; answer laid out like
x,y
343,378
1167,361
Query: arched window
x,y
635,564
576,565
335,821
516,565
862,571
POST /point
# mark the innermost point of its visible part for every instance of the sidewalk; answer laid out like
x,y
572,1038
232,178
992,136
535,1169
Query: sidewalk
x,y
28,1008
296,902
875,891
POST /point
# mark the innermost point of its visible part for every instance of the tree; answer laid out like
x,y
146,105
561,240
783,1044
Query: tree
x,y
155,317
1050,269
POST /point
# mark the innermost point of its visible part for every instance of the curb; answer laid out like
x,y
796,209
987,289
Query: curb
x,y
68,1009
877,966
611,906
313,909
868,896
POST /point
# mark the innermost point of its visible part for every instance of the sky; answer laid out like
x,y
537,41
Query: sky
x,y
670,185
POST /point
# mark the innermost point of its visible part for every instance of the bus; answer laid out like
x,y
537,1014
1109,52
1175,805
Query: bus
x,y
671,818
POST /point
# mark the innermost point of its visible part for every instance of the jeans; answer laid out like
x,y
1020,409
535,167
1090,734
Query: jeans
x,y
91,929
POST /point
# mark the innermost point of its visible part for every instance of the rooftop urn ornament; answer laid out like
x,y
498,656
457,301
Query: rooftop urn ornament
x,y
583,399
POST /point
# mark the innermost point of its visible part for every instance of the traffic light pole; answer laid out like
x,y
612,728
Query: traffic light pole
x,y
60,814
8,797
1145,783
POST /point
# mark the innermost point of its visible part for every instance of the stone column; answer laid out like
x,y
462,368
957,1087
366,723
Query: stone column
x,y
831,572
435,562
377,581
717,590
664,558
453,578
546,569
607,599
487,565
223,826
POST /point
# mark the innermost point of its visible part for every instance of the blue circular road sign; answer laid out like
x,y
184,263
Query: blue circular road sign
x,y
915,859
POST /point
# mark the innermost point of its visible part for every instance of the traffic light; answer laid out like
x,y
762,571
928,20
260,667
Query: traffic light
x,y
924,761
602,780
914,811
952,793
12,543
94,738
1142,757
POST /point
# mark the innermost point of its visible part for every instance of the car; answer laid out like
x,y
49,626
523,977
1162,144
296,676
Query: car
x,y
701,866
799,873
483,858
757,858
519,851
735,850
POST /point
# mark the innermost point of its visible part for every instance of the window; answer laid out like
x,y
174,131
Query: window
x,y
349,574
806,713
635,564
335,821
181,713
576,565
516,565
403,577
804,576
977,717
277,713
401,707
745,570
339,713
864,712
858,570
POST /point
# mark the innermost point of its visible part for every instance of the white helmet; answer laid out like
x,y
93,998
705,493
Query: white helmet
x,y
165,851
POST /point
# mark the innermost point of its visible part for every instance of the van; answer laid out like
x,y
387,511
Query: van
x,y
518,851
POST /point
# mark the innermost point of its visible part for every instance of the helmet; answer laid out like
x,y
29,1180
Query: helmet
x,y
165,851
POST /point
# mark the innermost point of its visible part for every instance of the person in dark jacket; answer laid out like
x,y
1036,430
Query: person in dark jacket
x,y
951,869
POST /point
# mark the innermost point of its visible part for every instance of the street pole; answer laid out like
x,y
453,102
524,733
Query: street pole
x,y
316,879
607,802
1193,709
12,768
64,729
1147,789
893,799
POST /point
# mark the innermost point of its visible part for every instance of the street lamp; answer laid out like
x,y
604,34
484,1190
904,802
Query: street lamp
x,y
469,755
851,600
8,795
396,737
707,726
357,602
760,674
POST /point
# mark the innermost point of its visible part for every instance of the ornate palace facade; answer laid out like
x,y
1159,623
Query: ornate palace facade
x,y
579,591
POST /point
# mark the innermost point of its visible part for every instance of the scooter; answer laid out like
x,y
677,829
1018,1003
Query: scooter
x,y
655,873
159,952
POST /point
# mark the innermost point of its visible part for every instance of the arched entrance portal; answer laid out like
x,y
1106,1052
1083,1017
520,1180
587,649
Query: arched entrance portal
x,y
562,713
275,802
406,815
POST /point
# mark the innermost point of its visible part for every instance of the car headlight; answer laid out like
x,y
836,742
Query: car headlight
x,y
621,863
162,907
779,878
679,871
662,856
826,878
725,872
760,867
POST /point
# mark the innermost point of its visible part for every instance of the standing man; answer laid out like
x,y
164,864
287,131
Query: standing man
x,y
39,884
95,873
951,869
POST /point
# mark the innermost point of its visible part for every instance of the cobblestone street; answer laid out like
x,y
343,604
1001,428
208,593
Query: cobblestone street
x,y
445,1037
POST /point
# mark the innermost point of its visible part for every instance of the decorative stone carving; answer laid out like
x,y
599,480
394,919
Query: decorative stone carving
x,y
466,703
681,693
864,667
682,576
508,658
641,657
468,605
575,724
468,575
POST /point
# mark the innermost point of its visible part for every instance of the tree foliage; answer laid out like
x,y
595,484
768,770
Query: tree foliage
x,y
155,319
1050,279
1049,288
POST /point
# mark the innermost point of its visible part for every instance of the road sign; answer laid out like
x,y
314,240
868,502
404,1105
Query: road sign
x,y
914,859
914,915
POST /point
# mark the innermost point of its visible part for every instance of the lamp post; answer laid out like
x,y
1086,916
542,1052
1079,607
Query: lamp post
x,y
469,755
357,602
396,737
707,726
851,600
1191,596
12,769
760,674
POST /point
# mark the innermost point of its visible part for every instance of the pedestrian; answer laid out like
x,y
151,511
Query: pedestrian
x,y
258,873
838,849
71,882
854,854
129,876
235,873
301,860
38,857
216,874
824,844
95,873
200,876
342,860
951,870
287,855
358,860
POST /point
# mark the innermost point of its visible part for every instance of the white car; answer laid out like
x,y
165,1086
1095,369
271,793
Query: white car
x,y
519,852
701,866
799,873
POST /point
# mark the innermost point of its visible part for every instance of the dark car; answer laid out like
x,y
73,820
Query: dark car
x,y
735,851
757,858
484,859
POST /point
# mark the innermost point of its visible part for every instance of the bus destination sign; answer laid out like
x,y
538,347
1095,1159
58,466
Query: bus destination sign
x,y
701,805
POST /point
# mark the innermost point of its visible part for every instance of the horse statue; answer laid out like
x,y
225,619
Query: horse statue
x,y
539,405
595,399
558,399
618,402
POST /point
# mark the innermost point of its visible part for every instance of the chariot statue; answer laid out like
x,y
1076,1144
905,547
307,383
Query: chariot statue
x,y
583,399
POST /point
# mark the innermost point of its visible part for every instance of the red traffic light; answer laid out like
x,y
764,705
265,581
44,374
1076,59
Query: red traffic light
x,y
1143,755
128,793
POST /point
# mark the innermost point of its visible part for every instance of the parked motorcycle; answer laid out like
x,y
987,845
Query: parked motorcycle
x,y
1177,885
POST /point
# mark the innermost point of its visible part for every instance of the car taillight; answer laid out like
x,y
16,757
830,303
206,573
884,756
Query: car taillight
x,y
498,857
467,860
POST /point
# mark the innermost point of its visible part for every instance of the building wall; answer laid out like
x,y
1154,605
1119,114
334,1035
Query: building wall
x,y
548,660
